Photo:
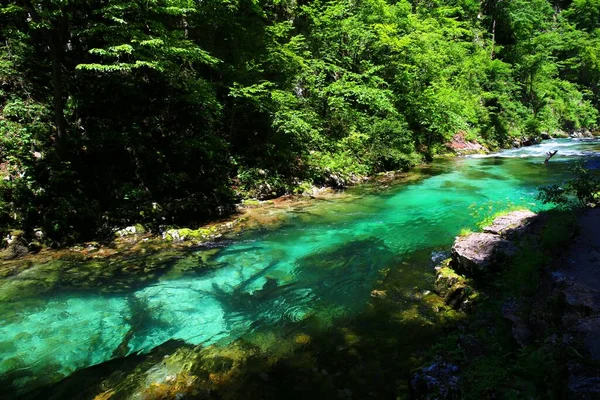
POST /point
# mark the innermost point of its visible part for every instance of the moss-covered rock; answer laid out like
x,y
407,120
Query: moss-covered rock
x,y
16,246
453,288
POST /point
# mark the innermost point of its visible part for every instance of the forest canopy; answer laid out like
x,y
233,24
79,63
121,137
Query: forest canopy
x,y
166,112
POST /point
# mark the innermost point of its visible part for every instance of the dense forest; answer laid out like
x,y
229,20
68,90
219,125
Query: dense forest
x,y
167,112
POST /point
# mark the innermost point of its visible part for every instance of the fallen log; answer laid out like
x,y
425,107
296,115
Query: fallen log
x,y
550,155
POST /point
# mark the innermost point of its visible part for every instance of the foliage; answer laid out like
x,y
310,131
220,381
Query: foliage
x,y
165,112
581,191
493,364
485,213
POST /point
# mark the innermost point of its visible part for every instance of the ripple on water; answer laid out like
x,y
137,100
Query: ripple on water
x,y
317,269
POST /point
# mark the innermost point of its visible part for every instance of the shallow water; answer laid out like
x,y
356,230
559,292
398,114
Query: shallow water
x,y
320,266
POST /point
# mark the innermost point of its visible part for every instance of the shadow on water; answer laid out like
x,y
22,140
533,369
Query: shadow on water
x,y
366,354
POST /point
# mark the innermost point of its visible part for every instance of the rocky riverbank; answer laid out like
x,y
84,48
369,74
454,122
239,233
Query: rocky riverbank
x,y
132,241
249,214
529,284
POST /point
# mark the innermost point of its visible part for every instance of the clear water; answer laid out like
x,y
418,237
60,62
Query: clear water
x,y
320,265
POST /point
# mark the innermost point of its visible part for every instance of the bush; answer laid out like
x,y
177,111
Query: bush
x,y
581,191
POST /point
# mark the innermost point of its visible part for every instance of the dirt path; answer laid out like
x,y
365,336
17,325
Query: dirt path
x,y
581,280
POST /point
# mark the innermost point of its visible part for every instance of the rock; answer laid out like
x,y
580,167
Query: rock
x,y
335,181
439,256
587,330
451,287
482,252
584,382
35,247
530,141
514,310
379,294
545,136
470,345
16,246
560,134
479,253
512,224
461,146
127,231
439,381
581,133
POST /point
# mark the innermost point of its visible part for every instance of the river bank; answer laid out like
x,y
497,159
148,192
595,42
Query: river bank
x,y
532,331
248,215
498,333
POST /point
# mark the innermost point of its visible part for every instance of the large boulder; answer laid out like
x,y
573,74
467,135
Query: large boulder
x,y
16,246
486,251
512,224
479,253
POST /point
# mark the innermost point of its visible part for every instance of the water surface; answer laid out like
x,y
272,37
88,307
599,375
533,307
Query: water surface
x,y
320,266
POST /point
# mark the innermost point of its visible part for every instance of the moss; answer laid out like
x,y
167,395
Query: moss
x,y
251,203
191,234
174,387
17,234
465,232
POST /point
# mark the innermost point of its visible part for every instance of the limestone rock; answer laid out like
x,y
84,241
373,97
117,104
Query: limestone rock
x,y
482,252
512,224
478,253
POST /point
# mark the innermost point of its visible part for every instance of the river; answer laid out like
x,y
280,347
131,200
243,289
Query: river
x,y
313,273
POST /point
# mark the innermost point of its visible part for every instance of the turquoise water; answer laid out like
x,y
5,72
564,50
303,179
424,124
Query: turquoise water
x,y
320,265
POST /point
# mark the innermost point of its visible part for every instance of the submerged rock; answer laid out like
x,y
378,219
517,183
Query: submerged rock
x,y
439,256
439,381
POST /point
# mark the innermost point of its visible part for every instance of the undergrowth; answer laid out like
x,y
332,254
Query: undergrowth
x,y
497,366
